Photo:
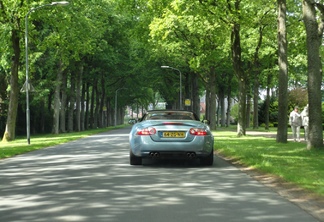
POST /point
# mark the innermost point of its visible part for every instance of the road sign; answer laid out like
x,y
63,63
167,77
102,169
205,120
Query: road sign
x,y
187,102
30,88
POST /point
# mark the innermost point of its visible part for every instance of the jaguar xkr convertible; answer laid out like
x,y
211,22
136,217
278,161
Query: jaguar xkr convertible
x,y
171,134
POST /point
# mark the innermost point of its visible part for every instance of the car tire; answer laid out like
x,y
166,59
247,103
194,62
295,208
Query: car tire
x,y
208,160
134,160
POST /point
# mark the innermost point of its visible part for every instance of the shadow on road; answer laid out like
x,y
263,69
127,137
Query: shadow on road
x,y
91,180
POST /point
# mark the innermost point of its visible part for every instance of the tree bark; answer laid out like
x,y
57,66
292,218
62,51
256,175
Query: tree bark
x,y
195,94
314,35
221,96
237,64
207,104
71,105
241,125
110,112
92,104
256,72
229,100
283,73
267,106
212,101
256,101
87,115
10,130
102,103
83,104
97,105
57,105
248,110
63,104
78,98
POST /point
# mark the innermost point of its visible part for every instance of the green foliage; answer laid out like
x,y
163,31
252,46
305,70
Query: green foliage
x,y
122,44
297,58
234,111
297,97
273,111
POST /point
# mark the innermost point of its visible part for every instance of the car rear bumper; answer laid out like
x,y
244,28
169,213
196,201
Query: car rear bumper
x,y
173,155
200,147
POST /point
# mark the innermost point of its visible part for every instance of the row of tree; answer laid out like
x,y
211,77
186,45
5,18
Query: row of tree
x,y
95,56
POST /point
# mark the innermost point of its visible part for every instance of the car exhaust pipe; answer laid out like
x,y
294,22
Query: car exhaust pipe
x,y
154,154
191,155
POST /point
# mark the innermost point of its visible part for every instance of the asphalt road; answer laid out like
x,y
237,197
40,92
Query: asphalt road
x,y
91,180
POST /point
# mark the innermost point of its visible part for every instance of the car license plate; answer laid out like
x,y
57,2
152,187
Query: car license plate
x,y
174,134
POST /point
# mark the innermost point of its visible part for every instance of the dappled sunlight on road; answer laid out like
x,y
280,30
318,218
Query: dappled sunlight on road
x,y
91,180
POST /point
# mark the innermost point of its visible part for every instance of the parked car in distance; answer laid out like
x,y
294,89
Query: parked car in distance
x,y
170,134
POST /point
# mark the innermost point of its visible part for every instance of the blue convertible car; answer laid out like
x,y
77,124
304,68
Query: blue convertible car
x,y
171,134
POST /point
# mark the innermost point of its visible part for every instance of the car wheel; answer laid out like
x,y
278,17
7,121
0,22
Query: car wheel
x,y
208,160
134,160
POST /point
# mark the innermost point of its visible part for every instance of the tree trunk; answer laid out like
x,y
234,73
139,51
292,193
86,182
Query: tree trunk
x,y
102,103
97,105
217,111
221,95
82,111
237,64
92,104
267,107
212,102
63,104
256,81
207,104
229,99
241,125
87,103
187,90
71,104
314,35
195,94
283,73
248,110
78,99
42,119
256,102
10,130
110,112
57,102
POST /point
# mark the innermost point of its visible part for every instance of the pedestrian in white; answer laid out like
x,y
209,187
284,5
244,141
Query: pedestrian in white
x,y
304,115
295,123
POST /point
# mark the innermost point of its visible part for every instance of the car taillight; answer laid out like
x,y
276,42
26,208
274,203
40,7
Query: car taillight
x,y
146,131
198,132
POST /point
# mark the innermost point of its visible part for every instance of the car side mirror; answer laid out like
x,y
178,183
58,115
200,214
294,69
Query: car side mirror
x,y
132,121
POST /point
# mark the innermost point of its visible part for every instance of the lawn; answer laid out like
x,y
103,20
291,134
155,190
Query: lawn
x,y
290,161
20,146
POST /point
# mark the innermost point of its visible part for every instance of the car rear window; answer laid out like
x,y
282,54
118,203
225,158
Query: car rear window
x,y
170,115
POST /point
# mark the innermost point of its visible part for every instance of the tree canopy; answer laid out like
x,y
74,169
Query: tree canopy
x,y
85,56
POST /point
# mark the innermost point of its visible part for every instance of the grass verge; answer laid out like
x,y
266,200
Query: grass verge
x,y
290,161
20,146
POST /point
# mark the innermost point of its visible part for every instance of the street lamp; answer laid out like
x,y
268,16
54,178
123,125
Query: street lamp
x,y
26,49
169,67
116,105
